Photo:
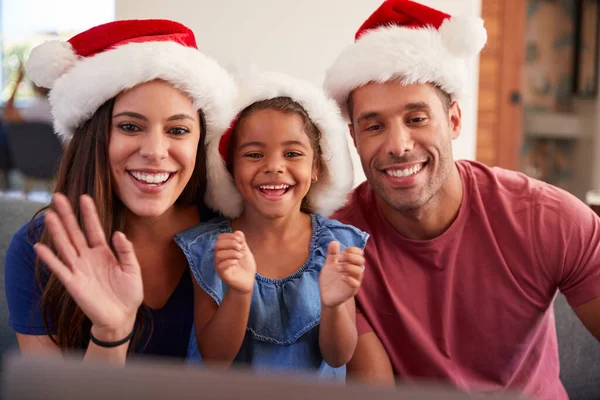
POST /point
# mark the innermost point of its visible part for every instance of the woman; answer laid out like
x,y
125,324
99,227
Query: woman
x,y
134,99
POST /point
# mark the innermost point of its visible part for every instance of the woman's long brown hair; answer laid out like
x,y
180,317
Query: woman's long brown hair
x,y
84,169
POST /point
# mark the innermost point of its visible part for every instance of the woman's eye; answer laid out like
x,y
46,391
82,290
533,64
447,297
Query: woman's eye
x,y
127,127
178,131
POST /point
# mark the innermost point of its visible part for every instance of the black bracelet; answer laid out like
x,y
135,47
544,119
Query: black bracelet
x,y
111,345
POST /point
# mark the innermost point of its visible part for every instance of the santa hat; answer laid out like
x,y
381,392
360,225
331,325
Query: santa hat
x,y
96,65
410,42
329,192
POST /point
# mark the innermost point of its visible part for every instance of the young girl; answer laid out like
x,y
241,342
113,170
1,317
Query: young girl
x,y
275,282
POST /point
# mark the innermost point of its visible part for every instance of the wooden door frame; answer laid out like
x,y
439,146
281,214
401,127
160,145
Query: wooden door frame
x,y
505,49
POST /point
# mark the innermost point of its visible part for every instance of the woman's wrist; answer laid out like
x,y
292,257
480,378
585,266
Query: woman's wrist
x,y
112,333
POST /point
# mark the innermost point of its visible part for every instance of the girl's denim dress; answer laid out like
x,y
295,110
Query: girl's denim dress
x,y
283,326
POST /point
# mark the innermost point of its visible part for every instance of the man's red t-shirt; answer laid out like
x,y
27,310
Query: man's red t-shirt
x,y
474,306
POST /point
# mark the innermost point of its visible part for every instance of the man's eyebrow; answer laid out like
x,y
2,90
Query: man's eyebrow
x,y
421,105
367,115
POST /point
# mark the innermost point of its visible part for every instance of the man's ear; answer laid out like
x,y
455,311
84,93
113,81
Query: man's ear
x,y
351,129
455,119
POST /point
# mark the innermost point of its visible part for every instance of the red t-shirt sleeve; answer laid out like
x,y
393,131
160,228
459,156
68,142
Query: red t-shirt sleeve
x,y
362,324
570,248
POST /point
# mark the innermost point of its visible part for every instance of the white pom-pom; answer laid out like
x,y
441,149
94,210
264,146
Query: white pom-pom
x,y
464,36
48,61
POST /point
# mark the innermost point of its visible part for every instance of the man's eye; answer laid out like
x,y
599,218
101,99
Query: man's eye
x,y
374,128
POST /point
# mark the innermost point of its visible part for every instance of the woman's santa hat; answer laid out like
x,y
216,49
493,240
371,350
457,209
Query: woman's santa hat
x,y
329,192
410,42
96,65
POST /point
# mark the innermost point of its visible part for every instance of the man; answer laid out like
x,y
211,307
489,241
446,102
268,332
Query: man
x,y
464,261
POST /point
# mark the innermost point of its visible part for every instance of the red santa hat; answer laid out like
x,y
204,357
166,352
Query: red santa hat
x,y
329,192
410,42
96,65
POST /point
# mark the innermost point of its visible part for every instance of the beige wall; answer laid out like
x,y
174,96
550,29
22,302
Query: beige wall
x,y
301,38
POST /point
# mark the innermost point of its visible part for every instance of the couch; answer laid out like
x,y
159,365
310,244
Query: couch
x,y
579,351
13,214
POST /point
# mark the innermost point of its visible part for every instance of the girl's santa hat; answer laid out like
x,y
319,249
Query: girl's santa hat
x,y
330,191
96,65
410,42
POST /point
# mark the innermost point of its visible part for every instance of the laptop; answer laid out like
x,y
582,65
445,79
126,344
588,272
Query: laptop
x,y
50,378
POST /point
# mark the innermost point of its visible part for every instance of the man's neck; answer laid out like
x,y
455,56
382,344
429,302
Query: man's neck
x,y
432,219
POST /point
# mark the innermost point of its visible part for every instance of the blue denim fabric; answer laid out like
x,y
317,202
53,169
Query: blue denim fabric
x,y
283,326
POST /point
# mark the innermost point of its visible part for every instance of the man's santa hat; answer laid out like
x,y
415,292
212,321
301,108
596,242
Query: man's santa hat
x,y
329,192
96,65
410,42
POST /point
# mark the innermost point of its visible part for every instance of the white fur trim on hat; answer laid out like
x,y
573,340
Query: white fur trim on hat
x,y
423,55
329,192
91,81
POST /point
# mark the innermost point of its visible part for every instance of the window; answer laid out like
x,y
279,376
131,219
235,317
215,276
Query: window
x,y
26,23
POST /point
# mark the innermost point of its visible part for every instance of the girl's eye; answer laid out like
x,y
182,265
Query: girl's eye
x,y
178,131
292,154
253,155
127,127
